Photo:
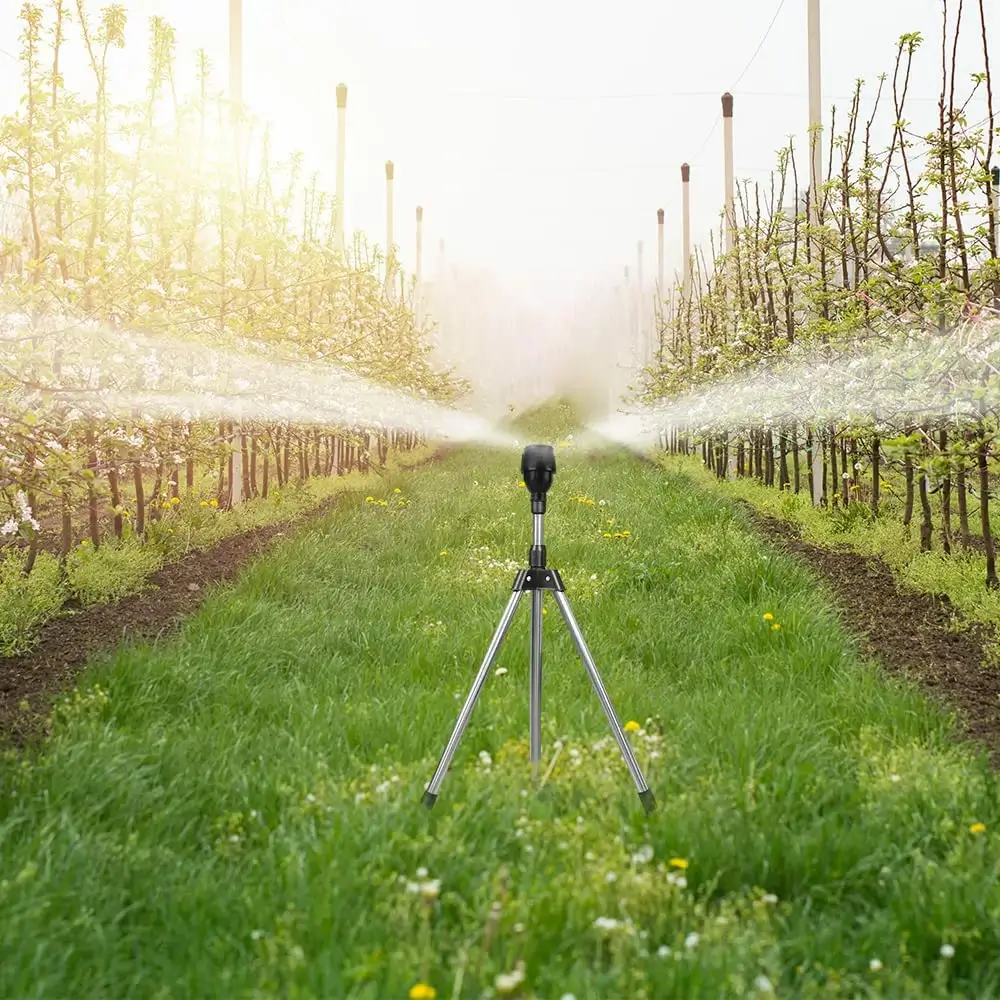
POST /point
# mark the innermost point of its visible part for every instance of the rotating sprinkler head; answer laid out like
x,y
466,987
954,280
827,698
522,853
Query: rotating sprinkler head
x,y
538,466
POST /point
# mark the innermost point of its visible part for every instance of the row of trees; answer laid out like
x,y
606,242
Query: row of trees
x,y
168,218
904,253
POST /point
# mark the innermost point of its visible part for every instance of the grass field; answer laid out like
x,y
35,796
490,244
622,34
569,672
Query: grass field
x,y
236,812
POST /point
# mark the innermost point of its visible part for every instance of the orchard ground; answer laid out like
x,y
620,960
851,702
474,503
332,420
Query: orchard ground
x,y
236,811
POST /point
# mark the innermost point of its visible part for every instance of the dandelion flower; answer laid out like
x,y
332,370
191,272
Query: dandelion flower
x,y
947,951
775,627
678,863
421,991
443,552
632,726
977,828
769,617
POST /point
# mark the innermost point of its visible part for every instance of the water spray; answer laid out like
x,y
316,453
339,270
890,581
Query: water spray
x,y
538,467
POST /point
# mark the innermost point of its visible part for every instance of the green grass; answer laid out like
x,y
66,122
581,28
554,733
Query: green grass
x,y
236,813
960,575
123,566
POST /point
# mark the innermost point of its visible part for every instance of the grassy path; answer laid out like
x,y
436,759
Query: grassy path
x,y
237,813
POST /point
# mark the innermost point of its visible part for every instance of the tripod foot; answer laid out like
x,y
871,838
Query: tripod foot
x,y
430,798
647,800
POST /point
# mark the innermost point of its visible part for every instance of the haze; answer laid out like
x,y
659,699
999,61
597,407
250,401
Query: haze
x,y
539,137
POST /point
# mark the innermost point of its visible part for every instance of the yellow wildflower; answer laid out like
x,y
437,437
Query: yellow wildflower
x,y
632,726
397,490
175,499
213,503
775,627
977,828
769,617
678,863
204,503
422,992
524,485
443,552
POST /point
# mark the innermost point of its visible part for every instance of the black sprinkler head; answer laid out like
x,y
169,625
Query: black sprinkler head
x,y
538,466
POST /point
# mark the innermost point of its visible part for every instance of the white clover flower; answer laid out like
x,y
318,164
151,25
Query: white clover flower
x,y
663,951
947,951
769,897
763,984
643,856
606,923
610,877
691,941
421,873
875,965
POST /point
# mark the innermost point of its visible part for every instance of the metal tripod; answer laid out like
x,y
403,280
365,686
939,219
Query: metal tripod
x,y
538,578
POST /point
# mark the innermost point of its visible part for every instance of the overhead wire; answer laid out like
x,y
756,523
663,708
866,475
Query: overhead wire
x,y
746,69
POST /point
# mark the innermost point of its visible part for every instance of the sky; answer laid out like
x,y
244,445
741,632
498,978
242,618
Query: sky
x,y
540,137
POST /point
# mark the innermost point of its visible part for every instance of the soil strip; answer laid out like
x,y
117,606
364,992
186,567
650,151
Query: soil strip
x,y
30,683
913,635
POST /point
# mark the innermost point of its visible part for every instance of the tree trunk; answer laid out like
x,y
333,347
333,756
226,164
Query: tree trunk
x,y
876,473
945,496
116,499
992,582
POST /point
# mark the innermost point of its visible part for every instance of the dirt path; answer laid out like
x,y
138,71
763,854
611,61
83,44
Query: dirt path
x,y
66,643
910,633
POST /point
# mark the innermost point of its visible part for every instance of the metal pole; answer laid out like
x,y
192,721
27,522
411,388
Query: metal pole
x,y
640,299
727,120
686,188
815,175
236,108
535,673
389,257
659,253
341,153
419,290
235,56
478,684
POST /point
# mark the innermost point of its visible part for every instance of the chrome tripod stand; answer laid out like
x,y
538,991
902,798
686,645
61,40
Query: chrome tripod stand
x,y
538,466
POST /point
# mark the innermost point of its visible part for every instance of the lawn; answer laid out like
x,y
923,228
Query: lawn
x,y
236,812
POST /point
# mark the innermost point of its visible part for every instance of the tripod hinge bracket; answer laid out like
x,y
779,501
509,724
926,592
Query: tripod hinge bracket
x,y
539,579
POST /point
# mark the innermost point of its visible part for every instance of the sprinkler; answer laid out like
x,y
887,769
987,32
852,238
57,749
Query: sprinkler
x,y
538,467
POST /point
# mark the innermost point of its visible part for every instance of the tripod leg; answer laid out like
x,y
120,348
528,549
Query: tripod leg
x,y
645,793
430,795
535,684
